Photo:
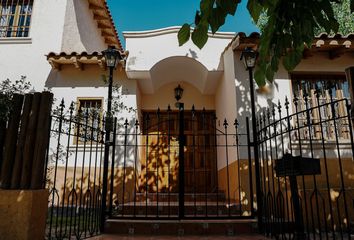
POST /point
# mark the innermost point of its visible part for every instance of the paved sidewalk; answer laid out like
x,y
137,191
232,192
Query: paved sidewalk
x,y
120,237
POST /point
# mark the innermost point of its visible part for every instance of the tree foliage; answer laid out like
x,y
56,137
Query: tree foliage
x,y
7,90
289,25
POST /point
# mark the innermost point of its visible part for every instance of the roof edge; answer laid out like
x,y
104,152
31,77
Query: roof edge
x,y
172,29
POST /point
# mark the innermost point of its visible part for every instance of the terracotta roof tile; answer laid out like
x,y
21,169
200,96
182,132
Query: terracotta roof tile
x,y
103,16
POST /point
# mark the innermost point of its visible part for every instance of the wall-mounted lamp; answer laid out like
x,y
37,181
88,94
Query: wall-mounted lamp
x,y
178,92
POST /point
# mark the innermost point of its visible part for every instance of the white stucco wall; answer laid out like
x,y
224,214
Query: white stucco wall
x,y
26,56
165,96
146,48
80,29
225,106
56,26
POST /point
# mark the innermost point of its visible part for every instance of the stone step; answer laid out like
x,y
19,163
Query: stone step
x,y
181,227
190,208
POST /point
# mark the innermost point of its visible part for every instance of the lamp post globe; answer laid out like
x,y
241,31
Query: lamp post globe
x,y
249,56
112,56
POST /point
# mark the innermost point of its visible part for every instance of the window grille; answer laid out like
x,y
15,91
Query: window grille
x,y
330,88
15,18
89,120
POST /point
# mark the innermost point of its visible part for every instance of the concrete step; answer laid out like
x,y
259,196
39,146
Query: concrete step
x,y
180,227
190,208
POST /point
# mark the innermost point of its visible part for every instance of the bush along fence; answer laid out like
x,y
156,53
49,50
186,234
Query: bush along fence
x,y
24,139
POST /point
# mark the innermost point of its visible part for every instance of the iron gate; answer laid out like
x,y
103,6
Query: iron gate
x,y
316,139
180,164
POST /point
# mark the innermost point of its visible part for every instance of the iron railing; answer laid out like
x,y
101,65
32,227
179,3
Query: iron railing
x,y
146,167
316,131
74,174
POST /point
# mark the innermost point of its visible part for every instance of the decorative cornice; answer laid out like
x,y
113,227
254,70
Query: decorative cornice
x,y
173,29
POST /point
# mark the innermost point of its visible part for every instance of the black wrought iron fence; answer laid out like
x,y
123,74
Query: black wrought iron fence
x,y
307,169
146,167
74,173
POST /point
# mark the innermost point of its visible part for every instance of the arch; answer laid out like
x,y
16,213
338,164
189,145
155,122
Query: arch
x,y
179,69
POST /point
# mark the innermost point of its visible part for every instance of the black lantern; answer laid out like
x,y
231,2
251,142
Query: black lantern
x,y
249,56
178,92
112,56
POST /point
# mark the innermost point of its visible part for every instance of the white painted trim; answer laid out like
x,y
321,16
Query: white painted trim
x,y
16,40
174,29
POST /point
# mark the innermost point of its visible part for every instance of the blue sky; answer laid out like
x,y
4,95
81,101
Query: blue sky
x,y
138,15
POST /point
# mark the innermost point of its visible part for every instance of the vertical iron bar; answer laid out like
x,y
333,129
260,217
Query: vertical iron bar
x,y
315,191
73,193
271,177
299,221
238,166
216,165
65,173
250,165
205,161
112,167
135,164
157,162
181,160
54,190
262,141
169,157
147,163
86,118
124,162
255,150
108,128
288,130
340,165
268,194
227,168
194,158
88,191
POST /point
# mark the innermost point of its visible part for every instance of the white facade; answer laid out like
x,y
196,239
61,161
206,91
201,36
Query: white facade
x,y
213,78
56,26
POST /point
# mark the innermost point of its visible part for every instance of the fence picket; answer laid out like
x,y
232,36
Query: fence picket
x,y
29,142
41,140
10,141
16,173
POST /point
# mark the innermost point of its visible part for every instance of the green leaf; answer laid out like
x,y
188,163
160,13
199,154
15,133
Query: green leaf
x,y
228,6
352,6
184,34
217,19
259,76
255,9
206,6
270,74
293,58
200,35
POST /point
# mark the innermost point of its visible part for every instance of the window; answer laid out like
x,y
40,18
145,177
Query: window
x,y
308,84
89,128
15,18
320,112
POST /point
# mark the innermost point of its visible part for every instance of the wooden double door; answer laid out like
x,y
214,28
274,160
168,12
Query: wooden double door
x,y
162,131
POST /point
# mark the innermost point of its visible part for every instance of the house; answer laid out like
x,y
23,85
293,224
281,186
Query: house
x,y
60,44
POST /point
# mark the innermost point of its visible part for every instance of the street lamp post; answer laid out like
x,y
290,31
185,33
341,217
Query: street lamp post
x,y
112,56
250,56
